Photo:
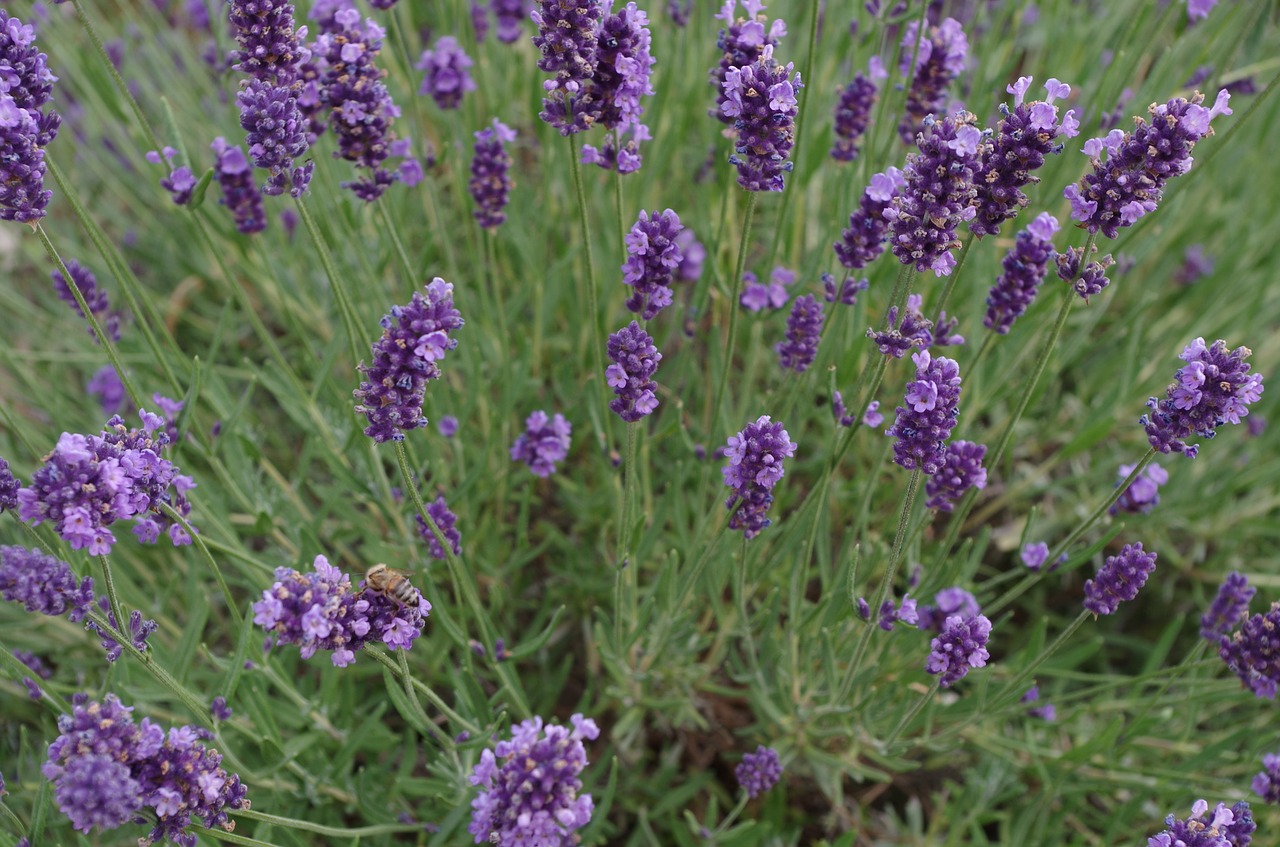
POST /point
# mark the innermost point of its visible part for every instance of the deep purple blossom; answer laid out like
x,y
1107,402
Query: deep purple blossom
x,y
1267,783
447,522
1086,282
219,709
932,406
891,613
755,457
239,194
140,629
847,291
568,39
1024,269
1024,136
1223,828
446,77
38,667
839,411
652,259
490,183
529,786
1212,389
853,111
543,444
759,771
938,61
938,195
961,644
9,485
692,256
761,99
1228,607
321,610
509,15
1143,493
180,182
621,78
415,337
269,43
26,125
961,470
1119,579
741,42
864,240
1045,711
872,417
804,330
1253,652
757,296
1034,555
448,426
106,770
1195,265
94,297
1130,182
679,11
43,584
635,360
105,384
947,602
907,328
277,134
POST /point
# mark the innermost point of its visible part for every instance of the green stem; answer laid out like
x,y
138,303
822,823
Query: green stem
x,y
231,837
14,821
119,82
731,817
339,286
177,517
598,341
401,670
1019,681
390,227
107,344
624,595
743,245
321,829
617,202
953,276
113,597
910,716
199,709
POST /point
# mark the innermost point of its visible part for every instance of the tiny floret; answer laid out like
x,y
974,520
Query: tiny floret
x,y
759,771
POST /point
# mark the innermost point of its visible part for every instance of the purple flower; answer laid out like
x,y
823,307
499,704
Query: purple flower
x,y
89,482
652,259
1222,829
414,338
1143,493
490,183
23,196
1024,136
761,98
1089,281
1267,783
755,465
1253,652
1130,183
269,49
448,426
908,328
543,444
1044,712
947,602
932,405
219,709
635,360
864,240
139,631
37,666
568,39
938,195
846,293
1231,604
872,417
853,111
277,134
692,256
180,182
891,613
1034,556
27,80
9,485
1195,265
1119,579
239,194
1024,270
510,14
939,60
741,41
621,78
679,11
106,770
43,584
446,78
756,296
446,521
1198,10
529,785
94,297
962,644
804,330
321,610
961,470
479,20
1213,388
759,771
105,384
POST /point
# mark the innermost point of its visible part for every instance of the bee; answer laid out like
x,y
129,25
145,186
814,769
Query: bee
x,y
392,583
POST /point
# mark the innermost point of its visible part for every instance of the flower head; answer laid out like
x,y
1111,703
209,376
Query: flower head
x,y
853,114
509,15
1253,652
961,470
568,39
846,293
446,77
635,360
9,485
961,645
932,406
759,771
446,521
1231,604
490,183
757,296
529,786
742,40
1119,579
415,337
938,61
277,134
1086,281
43,584
94,297
269,42
239,193
864,240
543,444
1212,389
804,330
653,256
907,328
1224,827
761,99
621,78
1143,493
1024,269
947,602
755,465
1267,783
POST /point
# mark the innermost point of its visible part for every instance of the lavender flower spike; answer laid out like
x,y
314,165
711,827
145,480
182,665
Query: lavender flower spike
x,y
447,78
759,771
1231,604
961,645
755,465
1213,388
1253,652
961,470
94,297
239,194
804,330
947,602
1024,269
621,78
635,360
568,38
939,193
652,259
1119,579
414,338
1143,493
543,444
864,240
907,328
932,405
9,485
1223,828
529,786
446,521
490,183
277,134
761,98
1086,282
940,59
1267,783
853,111
43,584
741,41
26,125
269,43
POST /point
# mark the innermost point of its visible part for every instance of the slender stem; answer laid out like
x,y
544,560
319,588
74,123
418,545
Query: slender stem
x,y
113,597
119,82
911,715
193,703
988,341
953,276
617,200
408,679
592,294
406,676
389,225
624,595
734,308
1102,508
208,556
1019,680
731,817
321,829
102,338
14,821
345,307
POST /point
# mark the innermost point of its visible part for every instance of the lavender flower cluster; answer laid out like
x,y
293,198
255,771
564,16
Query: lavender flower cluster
x,y
621,78
27,124
755,457
653,256
1215,387
490,183
759,771
1024,270
924,424
761,99
543,444
446,77
321,611
741,43
634,360
94,297
1119,579
961,645
446,521
864,240
853,110
939,58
